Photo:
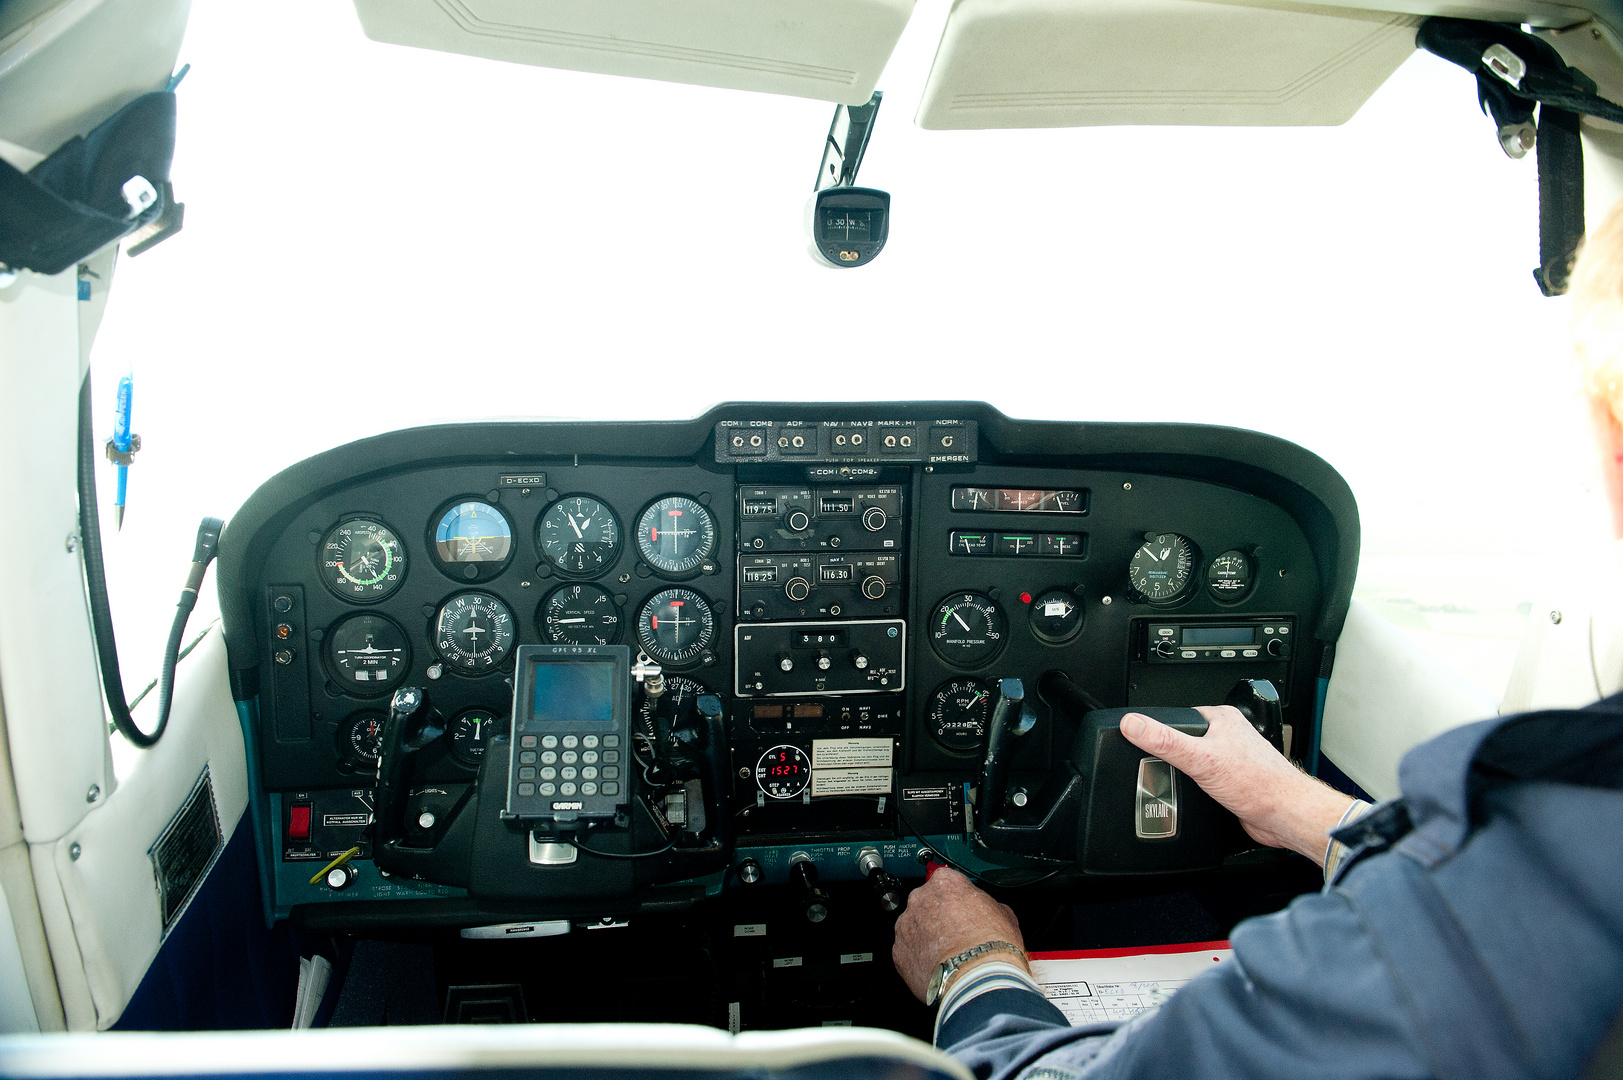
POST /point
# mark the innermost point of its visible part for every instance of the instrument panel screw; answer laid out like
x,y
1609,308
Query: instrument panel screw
x,y
1555,618
624,578
1105,600
72,543
74,851
744,773
1127,487
94,793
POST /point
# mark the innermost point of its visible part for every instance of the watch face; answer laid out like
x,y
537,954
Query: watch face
x,y
935,983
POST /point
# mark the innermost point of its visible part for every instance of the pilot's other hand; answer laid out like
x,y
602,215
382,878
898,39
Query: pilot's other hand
x,y
945,916
1279,804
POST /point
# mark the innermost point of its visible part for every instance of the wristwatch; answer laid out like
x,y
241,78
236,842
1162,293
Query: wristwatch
x,y
944,970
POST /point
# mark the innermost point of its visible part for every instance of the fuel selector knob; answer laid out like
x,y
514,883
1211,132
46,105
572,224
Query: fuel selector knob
x,y
797,589
873,586
799,521
874,518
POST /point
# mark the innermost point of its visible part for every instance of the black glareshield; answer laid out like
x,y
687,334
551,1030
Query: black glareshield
x,y
850,225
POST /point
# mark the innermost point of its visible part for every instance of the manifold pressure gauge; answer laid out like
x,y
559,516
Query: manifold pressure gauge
x,y
1163,568
783,772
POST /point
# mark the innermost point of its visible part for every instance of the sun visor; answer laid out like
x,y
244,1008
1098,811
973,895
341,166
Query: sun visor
x,y
1085,63
832,50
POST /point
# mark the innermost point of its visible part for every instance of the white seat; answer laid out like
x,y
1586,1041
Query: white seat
x,y
572,1050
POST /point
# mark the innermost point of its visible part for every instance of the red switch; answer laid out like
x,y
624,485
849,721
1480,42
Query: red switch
x,y
298,824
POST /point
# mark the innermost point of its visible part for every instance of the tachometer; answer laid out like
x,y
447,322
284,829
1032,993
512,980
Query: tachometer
x,y
676,626
676,535
473,632
579,535
967,629
959,712
580,615
368,654
1162,570
473,540
362,560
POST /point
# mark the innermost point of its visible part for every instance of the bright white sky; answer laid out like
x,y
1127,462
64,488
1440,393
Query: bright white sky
x,y
378,237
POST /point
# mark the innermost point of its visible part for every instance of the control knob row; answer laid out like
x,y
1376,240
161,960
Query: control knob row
x,y
798,588
874,519
824,661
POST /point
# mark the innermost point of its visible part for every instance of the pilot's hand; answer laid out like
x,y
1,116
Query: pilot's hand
x,y
1279,804
945,916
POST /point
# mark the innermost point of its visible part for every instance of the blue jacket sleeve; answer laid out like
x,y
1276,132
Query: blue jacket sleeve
x,y
1306,994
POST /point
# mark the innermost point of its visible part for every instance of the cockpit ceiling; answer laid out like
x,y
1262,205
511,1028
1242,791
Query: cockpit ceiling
x,y
831,50
1084,63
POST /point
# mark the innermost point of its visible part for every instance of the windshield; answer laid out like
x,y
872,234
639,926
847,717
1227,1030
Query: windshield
x,y
378,237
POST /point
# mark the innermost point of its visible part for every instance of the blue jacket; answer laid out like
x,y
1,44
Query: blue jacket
x,y
1475,931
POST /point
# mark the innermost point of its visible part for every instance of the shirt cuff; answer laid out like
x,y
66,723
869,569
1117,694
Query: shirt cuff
x,y
1337,851
982,979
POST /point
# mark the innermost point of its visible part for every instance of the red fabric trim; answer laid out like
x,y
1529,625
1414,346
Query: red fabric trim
x,y
1142,950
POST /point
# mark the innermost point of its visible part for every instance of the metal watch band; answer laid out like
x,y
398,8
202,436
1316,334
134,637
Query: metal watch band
x,y
947,967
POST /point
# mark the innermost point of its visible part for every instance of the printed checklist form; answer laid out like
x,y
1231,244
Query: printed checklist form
x,y
1117,984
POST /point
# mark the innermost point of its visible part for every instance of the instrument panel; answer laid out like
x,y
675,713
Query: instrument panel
x,y
852,587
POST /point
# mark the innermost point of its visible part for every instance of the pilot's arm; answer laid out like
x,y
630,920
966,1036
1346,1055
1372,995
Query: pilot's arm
x,y
1300,995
